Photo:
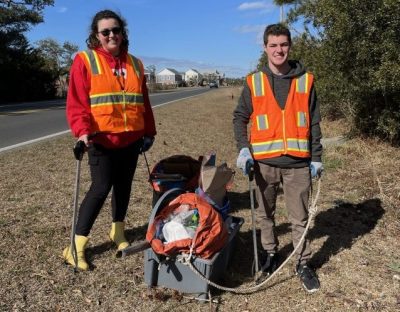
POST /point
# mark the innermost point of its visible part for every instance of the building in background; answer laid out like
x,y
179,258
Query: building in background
x,y
169,76
193,77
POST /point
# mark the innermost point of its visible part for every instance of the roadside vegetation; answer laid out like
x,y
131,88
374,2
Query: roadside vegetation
x,y
352,49
355,234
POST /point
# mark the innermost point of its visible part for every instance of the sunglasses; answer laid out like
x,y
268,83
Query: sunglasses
x,y
114,30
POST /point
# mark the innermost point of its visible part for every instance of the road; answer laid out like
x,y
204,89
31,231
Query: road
x,y
26,123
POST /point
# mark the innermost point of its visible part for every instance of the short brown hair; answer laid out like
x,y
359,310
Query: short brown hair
x,y
276,30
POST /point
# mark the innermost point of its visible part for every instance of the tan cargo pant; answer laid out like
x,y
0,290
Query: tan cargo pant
x,y
296,184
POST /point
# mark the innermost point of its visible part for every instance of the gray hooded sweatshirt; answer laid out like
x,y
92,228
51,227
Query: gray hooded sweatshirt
x,y
280,85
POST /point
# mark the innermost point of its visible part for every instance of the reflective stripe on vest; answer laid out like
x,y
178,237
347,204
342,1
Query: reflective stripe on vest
x,y
116,98
93,61
302,83
258,84
268,147
135,63
301,119
95,66
262,122
259,89
299,145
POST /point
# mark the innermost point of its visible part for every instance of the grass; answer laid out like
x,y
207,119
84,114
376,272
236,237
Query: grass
x,y
355,235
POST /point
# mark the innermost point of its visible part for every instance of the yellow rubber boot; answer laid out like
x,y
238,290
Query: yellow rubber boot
x,y
80,242
117,235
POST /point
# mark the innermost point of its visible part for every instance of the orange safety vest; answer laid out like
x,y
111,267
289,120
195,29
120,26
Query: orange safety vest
x,y
275,132
114,110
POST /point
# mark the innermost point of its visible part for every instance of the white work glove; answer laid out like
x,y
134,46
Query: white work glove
x,y
245,160
316,169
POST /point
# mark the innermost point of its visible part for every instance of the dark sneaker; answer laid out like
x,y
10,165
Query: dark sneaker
x,y
308,278
269,262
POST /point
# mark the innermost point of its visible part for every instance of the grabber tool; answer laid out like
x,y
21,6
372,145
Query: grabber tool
x,y
79,150
250,170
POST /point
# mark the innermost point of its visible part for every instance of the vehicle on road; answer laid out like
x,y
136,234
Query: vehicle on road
x,y
213,84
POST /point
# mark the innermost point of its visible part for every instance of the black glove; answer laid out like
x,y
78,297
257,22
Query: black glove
x,y
147,143
79,150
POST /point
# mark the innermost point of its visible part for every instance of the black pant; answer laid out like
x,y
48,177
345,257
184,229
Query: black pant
x,y
108,168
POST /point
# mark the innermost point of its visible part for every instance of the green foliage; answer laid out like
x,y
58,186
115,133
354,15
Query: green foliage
x,y
25,77
262,61
332,163
283,2
21,66
16,17
394,266
353,49
58,60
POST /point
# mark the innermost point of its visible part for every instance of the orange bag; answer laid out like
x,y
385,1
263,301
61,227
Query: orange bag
x,y
210,237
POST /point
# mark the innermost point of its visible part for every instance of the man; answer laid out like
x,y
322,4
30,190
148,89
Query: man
x,y
284,144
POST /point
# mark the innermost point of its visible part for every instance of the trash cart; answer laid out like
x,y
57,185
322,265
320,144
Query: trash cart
x,y
177,171
160,270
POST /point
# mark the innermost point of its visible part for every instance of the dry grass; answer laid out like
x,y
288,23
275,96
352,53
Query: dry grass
x,y
355,235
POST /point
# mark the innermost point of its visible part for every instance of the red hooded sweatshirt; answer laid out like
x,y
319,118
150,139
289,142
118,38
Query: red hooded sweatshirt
x,y
78,104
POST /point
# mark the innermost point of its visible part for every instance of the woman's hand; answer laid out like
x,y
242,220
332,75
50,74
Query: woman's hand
x,y
84,138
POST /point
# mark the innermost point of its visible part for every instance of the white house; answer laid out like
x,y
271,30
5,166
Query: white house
x,y
193,75
169,76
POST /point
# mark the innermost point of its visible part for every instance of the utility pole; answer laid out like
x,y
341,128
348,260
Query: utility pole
x,y
281,9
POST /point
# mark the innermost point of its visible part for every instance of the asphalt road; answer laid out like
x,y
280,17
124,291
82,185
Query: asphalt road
x,y
26,123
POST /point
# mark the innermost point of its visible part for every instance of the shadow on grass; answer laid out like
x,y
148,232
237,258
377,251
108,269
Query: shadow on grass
x,y
132,235
343,224
239,201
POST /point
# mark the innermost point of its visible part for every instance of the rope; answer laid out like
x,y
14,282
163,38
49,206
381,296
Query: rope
x,y
186,259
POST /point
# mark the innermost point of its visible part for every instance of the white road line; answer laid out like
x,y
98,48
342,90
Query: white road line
x,y
166,92
162,104
33,141
67,131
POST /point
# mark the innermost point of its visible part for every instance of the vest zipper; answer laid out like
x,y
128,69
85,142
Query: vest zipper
x,y
284,132
124,109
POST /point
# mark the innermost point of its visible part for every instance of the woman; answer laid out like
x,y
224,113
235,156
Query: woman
x,y
108,108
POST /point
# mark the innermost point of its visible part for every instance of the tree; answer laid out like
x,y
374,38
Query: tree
x,y
152,71
58,59
281,3
16,17
355,52
353,49
25,77
20,63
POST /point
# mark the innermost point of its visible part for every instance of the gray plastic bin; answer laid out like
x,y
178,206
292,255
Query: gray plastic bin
x,y
159,271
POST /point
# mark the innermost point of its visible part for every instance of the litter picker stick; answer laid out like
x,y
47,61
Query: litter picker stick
x,y
79,150
147,164
139,246
253,221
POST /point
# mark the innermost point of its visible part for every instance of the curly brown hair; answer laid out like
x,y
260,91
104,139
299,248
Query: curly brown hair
x,y
92,41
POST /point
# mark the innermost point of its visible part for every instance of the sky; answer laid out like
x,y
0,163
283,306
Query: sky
x,y
206,35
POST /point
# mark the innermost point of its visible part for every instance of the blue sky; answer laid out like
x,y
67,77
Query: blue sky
x,y
207,35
